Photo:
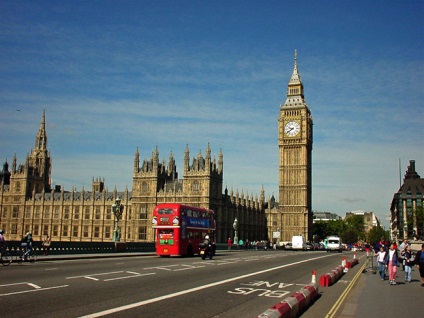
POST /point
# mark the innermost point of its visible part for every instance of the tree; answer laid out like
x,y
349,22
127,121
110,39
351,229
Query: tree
x,y
418,215
320,230
356,224
376,233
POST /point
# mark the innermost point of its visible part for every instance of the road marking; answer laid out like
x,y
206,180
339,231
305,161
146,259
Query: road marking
x,y
191,290
125,277
33,285
33,290
339,301
90,276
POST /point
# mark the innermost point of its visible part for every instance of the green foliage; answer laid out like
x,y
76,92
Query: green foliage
x,y
350,230
419,215
376,233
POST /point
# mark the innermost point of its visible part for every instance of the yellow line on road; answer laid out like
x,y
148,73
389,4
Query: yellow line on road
x,y
339,301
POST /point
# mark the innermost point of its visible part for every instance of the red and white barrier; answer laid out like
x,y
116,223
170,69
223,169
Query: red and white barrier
x,y
296,304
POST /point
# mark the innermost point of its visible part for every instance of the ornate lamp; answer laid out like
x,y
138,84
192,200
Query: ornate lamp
x,y
117,209
235,226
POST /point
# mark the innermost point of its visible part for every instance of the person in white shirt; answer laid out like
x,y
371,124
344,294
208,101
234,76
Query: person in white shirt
x,y
381,255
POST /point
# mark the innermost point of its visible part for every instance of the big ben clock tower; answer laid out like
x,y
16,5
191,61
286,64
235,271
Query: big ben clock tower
x,y
295,161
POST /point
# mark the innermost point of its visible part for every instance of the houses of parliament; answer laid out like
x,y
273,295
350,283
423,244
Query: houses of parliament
x,y
29,203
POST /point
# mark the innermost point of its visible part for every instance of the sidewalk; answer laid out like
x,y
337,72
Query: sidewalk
x,y
372,297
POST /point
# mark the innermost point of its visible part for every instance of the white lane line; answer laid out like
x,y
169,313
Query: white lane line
x,y
125,277
188,291
14,284
33,285
33,290
90,275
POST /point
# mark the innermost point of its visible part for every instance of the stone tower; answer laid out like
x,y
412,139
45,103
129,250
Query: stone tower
x,y
35,174
295,161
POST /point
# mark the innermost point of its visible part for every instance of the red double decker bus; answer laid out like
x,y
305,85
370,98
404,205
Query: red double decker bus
x,y
180,228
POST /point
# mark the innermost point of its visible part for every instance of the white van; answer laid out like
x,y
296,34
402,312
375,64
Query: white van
x,y
298,242
334,243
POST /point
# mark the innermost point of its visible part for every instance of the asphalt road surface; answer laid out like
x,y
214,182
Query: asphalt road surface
x,y
235,284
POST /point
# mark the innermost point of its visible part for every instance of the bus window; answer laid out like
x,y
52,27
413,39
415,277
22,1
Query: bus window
x,y
165,211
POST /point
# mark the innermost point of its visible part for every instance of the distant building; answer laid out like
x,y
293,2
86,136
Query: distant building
x,y
325,216
403,221
28,203
370,220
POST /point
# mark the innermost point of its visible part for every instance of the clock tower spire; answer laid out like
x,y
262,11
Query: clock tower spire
x,y
295,161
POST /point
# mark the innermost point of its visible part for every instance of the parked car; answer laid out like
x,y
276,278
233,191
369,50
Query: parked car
x,y
288,246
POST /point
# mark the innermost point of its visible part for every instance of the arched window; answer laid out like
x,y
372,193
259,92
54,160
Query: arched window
x,y
196,186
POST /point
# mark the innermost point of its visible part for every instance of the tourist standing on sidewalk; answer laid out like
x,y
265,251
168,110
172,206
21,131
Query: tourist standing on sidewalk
x,y
392,261
230,243
419,260
408,259
46,245
381,255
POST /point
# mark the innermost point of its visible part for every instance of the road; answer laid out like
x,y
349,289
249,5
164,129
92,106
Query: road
x,y
235,284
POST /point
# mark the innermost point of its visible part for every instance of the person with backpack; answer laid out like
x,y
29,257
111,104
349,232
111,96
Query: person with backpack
x,y
419,261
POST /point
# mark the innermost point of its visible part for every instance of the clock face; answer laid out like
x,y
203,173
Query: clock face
x,y
292,128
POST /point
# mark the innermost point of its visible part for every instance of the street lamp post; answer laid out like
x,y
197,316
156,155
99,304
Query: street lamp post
x,y
117,209
235,226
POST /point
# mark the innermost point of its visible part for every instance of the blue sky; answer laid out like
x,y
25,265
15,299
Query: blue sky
x,y
116,75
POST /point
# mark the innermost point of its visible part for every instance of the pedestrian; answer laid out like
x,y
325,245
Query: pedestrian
x,y
381,255
408,260
392,261
26,244
402,248
419,260
229,243
46,245
240,244
2,239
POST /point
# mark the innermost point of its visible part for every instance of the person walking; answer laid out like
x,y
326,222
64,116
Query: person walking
x,y
419,261
392,261
381,255
46,245
26,244
402,248
409,262
2,239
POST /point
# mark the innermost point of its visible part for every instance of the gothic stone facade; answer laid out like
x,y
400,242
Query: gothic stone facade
x,y
28,204
295,162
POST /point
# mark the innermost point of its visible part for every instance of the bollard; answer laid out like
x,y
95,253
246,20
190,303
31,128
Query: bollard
x,y
344,261
354,254
314,277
